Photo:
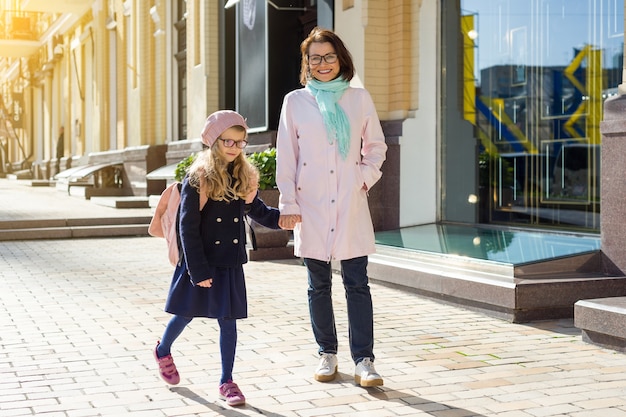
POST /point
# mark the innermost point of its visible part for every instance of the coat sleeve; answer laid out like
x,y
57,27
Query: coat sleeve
x,y
374,149
287,159
190,234
262,213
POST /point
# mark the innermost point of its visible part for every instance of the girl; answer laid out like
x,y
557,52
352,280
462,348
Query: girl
x,y
209,280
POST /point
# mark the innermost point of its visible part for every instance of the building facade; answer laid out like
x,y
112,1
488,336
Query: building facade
x,y
491,108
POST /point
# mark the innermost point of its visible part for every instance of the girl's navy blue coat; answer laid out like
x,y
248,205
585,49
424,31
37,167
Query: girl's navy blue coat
x,y
214,246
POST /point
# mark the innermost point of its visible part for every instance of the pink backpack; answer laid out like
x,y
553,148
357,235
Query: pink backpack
x,y
164,222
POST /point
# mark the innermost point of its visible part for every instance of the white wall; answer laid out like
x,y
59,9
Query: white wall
x,y
200,94
350,26
418,153
418,144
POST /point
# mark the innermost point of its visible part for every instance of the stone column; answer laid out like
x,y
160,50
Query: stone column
x,y
613,184
613,180
622,87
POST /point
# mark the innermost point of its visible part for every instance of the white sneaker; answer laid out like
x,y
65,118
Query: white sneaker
x,y
365,375
327,369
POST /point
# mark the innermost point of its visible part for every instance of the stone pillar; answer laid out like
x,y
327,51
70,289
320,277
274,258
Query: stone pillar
x,y
613,184
139,161
622,87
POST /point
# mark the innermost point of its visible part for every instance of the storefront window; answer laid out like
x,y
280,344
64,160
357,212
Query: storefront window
x,y
535,76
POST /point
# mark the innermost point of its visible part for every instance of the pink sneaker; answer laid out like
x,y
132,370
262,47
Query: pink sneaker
x,y
167,369
230,392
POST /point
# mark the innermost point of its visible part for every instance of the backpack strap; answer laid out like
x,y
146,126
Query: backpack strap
x,y
203,200
178,241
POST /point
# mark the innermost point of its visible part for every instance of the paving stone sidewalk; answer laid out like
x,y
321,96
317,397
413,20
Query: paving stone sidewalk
x,y
80,319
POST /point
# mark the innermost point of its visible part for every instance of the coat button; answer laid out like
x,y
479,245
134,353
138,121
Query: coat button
x,y
219,220
217,242
235,240
236,219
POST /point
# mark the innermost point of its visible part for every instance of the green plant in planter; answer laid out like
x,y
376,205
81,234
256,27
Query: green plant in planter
x,y
265,162
183,166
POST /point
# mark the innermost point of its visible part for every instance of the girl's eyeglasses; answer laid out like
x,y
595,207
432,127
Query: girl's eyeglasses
x,y
229,143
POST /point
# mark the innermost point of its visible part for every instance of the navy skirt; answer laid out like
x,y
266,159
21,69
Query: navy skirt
x,y
225,299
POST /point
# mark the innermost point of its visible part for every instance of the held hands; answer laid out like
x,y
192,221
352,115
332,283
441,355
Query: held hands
x,y
207,283
288,221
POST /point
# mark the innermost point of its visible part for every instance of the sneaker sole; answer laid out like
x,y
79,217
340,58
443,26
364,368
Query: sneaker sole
x,y
171,381
326,378
234,403
368,383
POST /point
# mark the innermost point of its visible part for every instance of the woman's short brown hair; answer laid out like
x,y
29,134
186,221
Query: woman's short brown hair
x,y
318,34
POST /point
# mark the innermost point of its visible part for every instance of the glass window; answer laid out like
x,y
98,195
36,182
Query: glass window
x,y
536,74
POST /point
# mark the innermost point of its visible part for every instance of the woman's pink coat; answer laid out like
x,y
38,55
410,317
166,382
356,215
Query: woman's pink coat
x,y
326,190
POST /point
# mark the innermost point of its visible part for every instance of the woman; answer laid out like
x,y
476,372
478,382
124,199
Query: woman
x,y
330,148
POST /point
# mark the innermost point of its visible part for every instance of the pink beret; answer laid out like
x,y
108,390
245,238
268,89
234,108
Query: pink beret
x,y
218,122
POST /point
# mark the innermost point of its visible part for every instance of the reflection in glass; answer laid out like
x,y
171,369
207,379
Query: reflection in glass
x,y
541,72
488,243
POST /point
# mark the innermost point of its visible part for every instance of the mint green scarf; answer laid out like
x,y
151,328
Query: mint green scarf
x,y
327,94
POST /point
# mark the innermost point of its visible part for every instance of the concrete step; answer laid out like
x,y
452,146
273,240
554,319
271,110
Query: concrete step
x,y
73,228
24,174
42,183
75,222
601,321
122,202
498,289
74,232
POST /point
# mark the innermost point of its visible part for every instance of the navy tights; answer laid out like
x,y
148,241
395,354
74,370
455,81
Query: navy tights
x,y
228,342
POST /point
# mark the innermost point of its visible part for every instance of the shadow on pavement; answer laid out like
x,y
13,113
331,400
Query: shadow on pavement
x,y
418,403
561,326
186,392
413,401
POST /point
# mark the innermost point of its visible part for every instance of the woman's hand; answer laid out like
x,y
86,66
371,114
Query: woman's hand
x,y
207,283
288,221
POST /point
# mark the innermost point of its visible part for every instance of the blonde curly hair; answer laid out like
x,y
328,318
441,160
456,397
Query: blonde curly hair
x,y
211,174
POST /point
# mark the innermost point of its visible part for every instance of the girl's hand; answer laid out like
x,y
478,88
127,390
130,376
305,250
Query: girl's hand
x,y
250,196
206,283
288,221
252,193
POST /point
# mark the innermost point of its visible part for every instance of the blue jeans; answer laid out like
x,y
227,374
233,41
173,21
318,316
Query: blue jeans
x,y
359,303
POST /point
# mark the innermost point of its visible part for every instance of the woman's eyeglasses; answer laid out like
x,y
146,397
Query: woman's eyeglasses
x,y
317,59
229,143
